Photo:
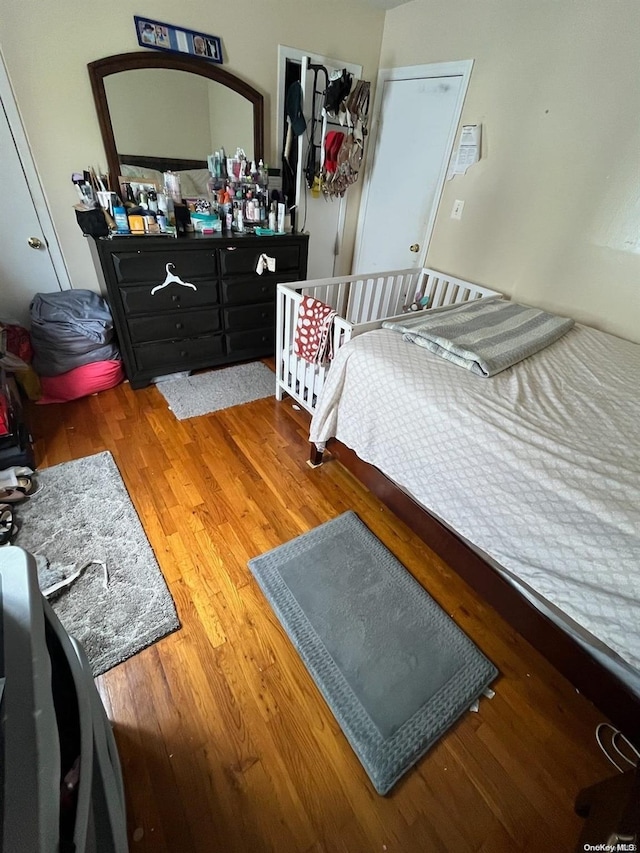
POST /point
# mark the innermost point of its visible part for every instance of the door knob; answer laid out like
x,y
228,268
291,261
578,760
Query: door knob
x,y
35,242
414,247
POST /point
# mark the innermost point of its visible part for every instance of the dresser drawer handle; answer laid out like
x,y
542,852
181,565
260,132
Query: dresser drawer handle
x,y
175,298
183,353
179,325
264,315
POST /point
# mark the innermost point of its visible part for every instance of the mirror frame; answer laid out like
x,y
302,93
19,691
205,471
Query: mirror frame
x,y
102,68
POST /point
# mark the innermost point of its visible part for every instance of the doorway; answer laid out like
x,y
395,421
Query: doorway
x,y
30,257
415,119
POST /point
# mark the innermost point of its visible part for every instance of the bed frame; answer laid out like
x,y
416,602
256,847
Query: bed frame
x,y
362,302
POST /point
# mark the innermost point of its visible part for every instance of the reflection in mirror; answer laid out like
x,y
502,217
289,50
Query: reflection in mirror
x,y
169,111
160,112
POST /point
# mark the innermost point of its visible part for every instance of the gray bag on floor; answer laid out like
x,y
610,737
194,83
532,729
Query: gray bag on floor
x,y
70,328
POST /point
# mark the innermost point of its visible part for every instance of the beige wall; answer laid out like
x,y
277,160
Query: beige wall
x,y
47,45
551,213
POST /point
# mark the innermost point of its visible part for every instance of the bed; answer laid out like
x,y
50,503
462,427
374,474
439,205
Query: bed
x,y
527,483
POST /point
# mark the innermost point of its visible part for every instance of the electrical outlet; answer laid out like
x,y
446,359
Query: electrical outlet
x,y
456,212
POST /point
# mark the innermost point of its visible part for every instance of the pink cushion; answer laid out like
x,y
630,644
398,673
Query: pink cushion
x,y
81,381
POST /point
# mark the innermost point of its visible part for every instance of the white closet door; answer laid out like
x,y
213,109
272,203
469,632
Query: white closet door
x,y
24,270
417,118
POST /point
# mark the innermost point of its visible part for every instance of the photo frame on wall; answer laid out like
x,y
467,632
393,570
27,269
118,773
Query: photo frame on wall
x,y
160,36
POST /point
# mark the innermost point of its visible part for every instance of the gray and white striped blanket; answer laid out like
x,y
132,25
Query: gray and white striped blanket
x,y
485,336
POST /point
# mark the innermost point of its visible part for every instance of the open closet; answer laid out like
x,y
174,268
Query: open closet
x,y
319,161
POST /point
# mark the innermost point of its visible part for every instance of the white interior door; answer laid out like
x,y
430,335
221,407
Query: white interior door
x,y
416,116
321,218
24,269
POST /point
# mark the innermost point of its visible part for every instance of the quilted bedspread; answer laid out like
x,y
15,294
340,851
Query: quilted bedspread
x,y
538,466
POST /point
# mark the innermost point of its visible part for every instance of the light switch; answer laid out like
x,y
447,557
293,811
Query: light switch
x,y
456,212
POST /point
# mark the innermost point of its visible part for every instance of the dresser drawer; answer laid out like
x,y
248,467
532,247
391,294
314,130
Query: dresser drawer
x,y
244,259
181,324
178,355
251,344
242,291
137,298
155,266
250,317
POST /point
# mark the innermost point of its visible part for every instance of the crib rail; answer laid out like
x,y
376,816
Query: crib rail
x,y
362,302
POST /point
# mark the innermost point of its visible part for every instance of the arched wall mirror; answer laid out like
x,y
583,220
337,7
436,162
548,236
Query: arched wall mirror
x,y
169,112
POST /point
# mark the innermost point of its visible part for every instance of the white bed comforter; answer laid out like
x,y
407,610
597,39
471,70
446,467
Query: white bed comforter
x,y
538,466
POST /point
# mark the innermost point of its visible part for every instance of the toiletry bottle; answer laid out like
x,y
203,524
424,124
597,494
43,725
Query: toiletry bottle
x,y
136,224
172,186
165,203
263,172
122,223
150,222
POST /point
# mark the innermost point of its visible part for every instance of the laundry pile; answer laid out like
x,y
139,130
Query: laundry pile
x,y
75,353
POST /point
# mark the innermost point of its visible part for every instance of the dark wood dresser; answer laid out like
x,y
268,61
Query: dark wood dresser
x,y
193,302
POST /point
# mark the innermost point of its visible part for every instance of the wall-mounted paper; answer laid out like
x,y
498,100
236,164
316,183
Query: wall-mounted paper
x,y
468,151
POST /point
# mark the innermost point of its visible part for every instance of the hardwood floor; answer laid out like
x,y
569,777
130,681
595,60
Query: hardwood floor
x,y
225,741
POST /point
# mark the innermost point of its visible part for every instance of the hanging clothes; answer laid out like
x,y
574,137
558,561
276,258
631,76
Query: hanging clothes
x,y
296,122
349,156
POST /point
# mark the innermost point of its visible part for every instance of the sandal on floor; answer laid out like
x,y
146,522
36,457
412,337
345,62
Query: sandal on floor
x,y
13,496
7,527
26,485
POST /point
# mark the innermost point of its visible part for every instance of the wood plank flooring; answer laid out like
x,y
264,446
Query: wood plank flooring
x,y
227,745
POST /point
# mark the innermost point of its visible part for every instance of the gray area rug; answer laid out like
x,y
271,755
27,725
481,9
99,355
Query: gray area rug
x,y
395,670
83,512
191,396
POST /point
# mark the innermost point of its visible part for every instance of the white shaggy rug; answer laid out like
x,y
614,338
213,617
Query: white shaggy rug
x,y
81,513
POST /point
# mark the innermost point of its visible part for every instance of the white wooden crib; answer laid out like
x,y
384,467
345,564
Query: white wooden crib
x,y
362,302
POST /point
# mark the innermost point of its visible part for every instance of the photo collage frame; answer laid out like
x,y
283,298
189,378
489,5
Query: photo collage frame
x,y
161,36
